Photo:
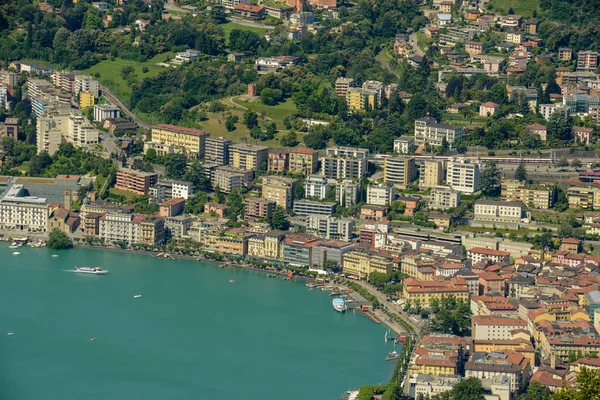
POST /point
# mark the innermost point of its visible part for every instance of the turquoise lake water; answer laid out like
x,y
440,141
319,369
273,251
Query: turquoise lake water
x,y
192,335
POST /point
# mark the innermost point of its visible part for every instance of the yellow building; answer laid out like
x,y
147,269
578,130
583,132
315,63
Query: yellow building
x,y
173,139
586,198
424,291
232,244
86,100
303,161
433,174
269,245
247,156
361,99
361,263
279,189
538,197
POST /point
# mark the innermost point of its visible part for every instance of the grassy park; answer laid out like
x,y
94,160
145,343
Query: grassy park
x,y
110,73
520,7
216,121
228,27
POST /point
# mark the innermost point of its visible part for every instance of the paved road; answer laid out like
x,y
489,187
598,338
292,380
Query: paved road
x,y
115,100
391,307
245,22
412,39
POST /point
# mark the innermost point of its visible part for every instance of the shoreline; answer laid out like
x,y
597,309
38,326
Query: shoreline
x,y
231,264
226,264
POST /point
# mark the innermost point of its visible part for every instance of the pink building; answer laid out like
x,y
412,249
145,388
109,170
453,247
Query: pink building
x,y
488,109
581,134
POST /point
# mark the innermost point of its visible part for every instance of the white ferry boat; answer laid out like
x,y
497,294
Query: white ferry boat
x,y
339,304
90,270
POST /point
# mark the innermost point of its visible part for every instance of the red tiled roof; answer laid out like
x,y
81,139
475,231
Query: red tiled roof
x,y
303,150
500,321
489,252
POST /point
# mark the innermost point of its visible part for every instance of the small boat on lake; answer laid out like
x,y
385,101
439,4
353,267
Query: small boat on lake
x,y
54,255
91,270
16,253
231,281
137,296
392,356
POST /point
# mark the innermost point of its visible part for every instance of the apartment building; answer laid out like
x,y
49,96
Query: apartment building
x,y
345,163
248,156
454,35
230,243
168,139
347,192
217,150
85,83
564,54
316,186
423,291
86,100
303,160
172,207
443,198
309,207
479,254
361,99
399,170
510,368
404,145
586,198
380,195
548,109
45,97
342,85
255,207
327,227
177,227
580,103
432,174
19,211
278,160
227,178
587,61
232,3
266,245
64,80
360,263
80,132
138,182
429,131
103,112
279,189
182,189
130,228
297,250
532,196
463,176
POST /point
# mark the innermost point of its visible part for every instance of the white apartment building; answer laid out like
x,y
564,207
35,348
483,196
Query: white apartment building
x,y
380,195
85,83
443,198
182,189
106,111
345,162
548,109
21,212
429,131
486,327
119,227
404,144
4,97
80,132
186,56
463,176
316,186
479,254
347,192
330,227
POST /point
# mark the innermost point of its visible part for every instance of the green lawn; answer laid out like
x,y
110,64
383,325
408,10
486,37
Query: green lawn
x,y
118,192
459,119
110,73
216,121
520,7
228,27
